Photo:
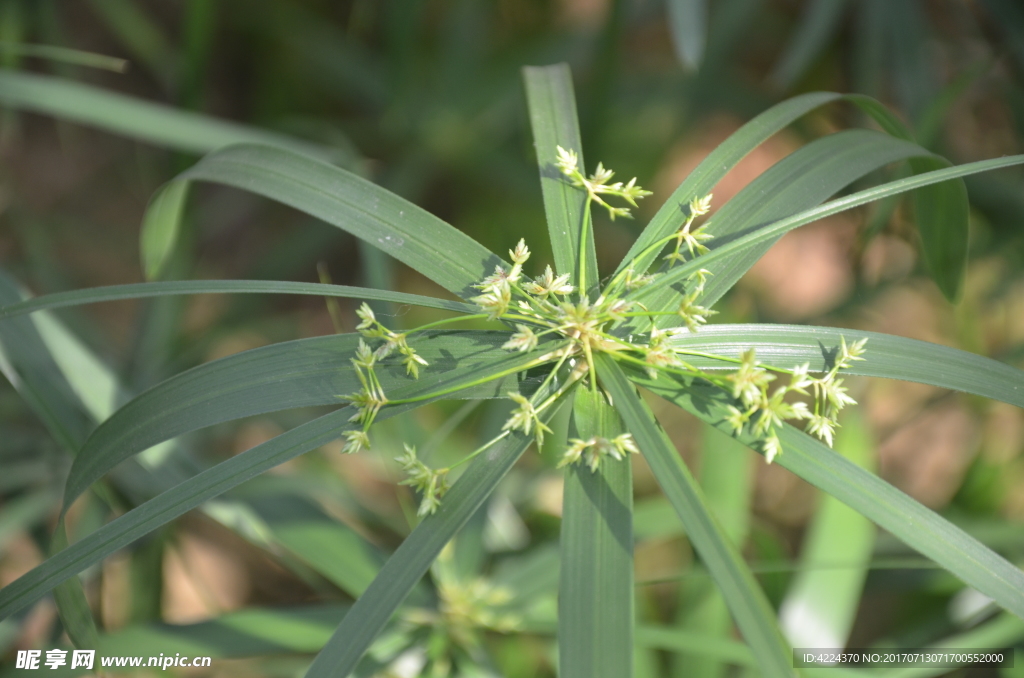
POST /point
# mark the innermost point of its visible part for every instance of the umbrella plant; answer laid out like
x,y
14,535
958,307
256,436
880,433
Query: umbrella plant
x,y
563,339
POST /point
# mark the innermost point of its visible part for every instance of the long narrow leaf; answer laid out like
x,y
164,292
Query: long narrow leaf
x,y
746,600
713,648
195,491
817,25
64,55
31,368
798,182
245,633
176,287
718,163
726,477
301,373
340,198
941,237
160,227
127,116
688,21
772,231
167,506
595,597
916,525
821,605
887,356
549,95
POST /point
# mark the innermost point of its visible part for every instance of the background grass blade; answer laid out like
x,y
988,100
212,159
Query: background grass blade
x,y
177,287
818,24
167,506
772,231
715,649
340,198
595,597
301,373
331,548
250,632
33,371
887,356
72,604
688,21
130,117
821,604
910,521
552,104
941,212
1004,631
140,35
726,477
64,55
747,602
160,227
410,562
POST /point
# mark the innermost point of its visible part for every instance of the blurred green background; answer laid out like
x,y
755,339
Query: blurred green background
x,y
425,98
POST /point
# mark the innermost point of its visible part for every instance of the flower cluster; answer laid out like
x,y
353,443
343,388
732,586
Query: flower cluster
x,y
370,398
564,325
695,240
597,184
371,328
431,483
762,412
466,606
596,448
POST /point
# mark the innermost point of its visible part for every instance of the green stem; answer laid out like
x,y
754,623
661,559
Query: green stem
x,y
477,451
673,370
726,359
483,380
445,321
657,245
644,314
593,366
573,378
584,229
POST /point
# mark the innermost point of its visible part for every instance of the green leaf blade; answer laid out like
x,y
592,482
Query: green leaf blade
x,y
887,356
134,118
552,105
206,485
688,21
801,180
95,295
909,520
340,198
744,597
160,227
821,604
301,373
595,598
818,25
778,228
716,165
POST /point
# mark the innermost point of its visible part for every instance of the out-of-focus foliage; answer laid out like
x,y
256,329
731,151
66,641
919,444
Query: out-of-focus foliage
x,y
425,99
